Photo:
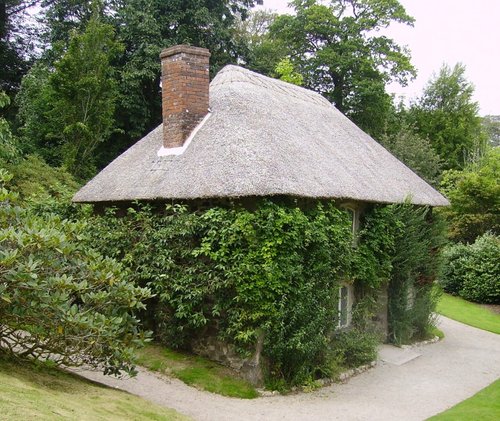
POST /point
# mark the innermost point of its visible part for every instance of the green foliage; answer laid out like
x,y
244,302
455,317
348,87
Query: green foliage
x,y
8,145
59,299
68,112
286,72
412,263
84,95
340,53
491,125
473,271
274,269
263,51
355,348
416,152
33,177
448,117
474,195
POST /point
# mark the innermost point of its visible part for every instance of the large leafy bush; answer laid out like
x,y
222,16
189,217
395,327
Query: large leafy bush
x,y
60,299
473,271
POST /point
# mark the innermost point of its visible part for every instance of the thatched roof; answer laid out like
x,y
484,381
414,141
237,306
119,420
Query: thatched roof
x,y
263,137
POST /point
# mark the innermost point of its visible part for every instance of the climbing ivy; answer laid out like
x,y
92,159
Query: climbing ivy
x,y
271,268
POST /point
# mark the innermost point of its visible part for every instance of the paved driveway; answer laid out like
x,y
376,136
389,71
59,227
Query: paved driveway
x,y
445,373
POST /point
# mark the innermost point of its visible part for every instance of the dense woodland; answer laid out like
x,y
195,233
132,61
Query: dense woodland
x,y
79,84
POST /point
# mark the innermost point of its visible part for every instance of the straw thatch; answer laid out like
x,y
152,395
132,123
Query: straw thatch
x,y
263,137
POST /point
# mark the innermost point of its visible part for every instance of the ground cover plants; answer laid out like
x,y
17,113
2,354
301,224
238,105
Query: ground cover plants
x,y
196,371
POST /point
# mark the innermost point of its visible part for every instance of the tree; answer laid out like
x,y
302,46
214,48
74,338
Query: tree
x,y
146,27
474,195
491,125
68,112
341,54
448,116
263,52
16,43
415,152
8,145
286,72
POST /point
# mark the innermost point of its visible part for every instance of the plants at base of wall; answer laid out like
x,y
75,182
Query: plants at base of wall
x,y
473,271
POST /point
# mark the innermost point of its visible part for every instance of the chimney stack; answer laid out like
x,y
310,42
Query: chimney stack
x,y
185,82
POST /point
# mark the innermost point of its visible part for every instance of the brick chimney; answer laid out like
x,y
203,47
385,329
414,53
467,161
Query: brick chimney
x,y
185,82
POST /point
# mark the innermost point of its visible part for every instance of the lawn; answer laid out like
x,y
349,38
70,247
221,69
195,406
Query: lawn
x,y
469,313
196,371
484,406
29,392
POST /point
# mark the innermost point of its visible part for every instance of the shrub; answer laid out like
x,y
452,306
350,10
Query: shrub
x,y
418,237
355,347
473,271
452,276
59,299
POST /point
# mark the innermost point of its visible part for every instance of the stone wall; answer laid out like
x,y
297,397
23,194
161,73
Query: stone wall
x,y
250,368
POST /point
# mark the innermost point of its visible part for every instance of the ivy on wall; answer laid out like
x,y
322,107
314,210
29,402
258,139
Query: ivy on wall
x,y
272,268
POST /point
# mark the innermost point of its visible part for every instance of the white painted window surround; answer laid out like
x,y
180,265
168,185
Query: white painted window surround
x,y
344,314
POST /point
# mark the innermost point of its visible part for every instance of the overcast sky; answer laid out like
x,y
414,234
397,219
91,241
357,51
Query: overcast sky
x,y
449,31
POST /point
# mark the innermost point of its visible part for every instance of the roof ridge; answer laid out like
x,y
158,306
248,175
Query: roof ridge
x,y
232,73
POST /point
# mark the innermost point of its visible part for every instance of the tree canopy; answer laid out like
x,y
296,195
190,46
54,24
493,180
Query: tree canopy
x,y
447,114
340,51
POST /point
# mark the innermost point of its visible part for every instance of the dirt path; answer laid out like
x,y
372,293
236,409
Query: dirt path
x,y
467,360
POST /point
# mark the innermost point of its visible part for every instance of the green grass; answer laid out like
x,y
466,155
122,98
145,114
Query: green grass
x,y
33,392
469,313
196,371
484,406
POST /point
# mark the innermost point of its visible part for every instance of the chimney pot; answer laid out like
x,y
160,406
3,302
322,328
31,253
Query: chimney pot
x,y
184,68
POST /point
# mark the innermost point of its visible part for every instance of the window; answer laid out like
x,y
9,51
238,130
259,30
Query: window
x,y
344,307
354,214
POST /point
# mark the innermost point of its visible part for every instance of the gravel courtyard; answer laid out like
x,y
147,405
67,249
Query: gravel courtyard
x,y
447,372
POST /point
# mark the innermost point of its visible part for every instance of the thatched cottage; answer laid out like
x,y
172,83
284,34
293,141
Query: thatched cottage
x,y
248,135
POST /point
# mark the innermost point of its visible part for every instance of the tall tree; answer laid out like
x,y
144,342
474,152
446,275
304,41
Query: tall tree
x,y
69,111
447,114
341,53
491,125
16,43
263,52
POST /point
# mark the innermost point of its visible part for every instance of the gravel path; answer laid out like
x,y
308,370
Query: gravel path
x,y
447,372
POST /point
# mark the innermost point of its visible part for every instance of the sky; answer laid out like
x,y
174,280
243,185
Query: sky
x,y
448,31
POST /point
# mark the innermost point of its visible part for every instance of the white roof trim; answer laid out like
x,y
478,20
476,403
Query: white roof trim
x,y
180,150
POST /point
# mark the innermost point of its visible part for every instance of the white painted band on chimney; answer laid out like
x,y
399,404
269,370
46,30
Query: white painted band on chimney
x,y
180,150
